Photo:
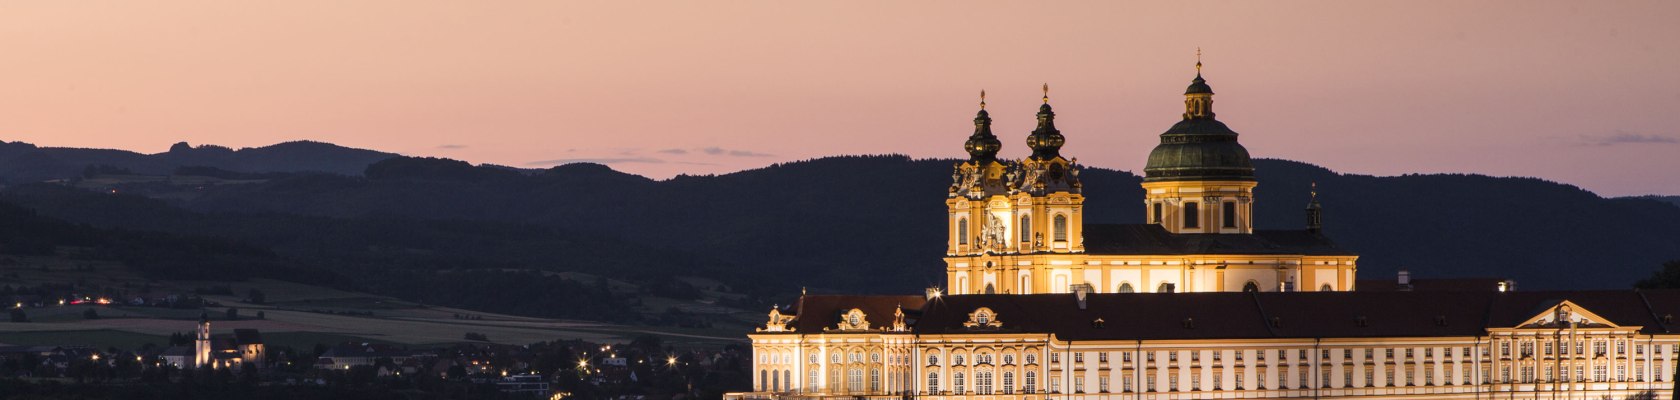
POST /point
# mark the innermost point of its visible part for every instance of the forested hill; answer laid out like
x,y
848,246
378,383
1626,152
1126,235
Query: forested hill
x,y
862,223
23,162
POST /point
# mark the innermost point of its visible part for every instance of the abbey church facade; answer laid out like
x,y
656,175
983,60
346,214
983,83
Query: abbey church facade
x,y
1194,304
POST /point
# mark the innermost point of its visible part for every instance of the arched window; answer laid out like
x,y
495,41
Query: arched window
x,y
1192,214
811,378
983,382
875,380
1251,287
1026,228
854,380
1156,218
1125,287
962,230
775,382
1008,382
957,382
787,376
1164,288
1029,382
990,289
1325,288
1061,228
1025,286
763,379
933,382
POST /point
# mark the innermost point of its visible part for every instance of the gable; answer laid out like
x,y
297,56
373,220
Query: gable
x,y
1569,312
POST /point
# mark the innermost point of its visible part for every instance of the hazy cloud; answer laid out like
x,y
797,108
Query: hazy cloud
x,y
719,151
601,160
452,146
674,151
1624,137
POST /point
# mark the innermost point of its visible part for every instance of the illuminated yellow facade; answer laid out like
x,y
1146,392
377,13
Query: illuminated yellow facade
x,y
1019,227
1194,304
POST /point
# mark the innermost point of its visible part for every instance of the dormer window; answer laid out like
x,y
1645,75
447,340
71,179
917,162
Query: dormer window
x,y
982,318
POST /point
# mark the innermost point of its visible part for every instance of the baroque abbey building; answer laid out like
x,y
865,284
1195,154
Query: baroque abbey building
x,y
1195,304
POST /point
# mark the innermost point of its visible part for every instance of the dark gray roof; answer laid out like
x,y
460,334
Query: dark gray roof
x,y
1238,315
1144,239
814,312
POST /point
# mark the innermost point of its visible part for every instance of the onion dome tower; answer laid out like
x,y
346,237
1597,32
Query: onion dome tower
x,y
974,185
1200,179
1046,190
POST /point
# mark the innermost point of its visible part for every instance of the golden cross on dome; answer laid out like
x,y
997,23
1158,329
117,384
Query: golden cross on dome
x,y
982,99
1198,60
1315,190
1047,93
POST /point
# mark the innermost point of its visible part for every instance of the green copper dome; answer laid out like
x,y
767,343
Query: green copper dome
x,y
1199,148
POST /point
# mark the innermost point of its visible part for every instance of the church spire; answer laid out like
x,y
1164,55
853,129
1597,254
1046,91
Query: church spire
x,y
1046,141
983,146
1314,212
1198,98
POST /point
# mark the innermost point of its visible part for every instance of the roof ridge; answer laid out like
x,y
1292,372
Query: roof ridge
x,y
1652,310
1264,320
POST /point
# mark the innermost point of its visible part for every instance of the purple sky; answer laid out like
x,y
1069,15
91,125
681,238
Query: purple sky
x,y
1586,93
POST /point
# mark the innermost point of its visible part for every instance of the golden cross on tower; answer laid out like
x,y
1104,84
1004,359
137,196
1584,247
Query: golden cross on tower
x,y
1315,190
1198,60
982,99
1047,93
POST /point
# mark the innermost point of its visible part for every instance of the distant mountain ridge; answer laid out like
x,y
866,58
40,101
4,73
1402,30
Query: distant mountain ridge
x,y
869,224
23,162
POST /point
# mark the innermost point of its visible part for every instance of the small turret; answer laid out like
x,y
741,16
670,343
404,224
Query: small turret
x,y
1315,212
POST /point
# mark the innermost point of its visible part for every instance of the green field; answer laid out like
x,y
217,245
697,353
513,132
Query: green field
x,y
301,316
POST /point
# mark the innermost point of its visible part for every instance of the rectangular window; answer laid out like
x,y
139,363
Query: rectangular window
x,y
1126,383
1192,214
1149,380
1172,382
1079,384
1157,213
1102,384
1230,219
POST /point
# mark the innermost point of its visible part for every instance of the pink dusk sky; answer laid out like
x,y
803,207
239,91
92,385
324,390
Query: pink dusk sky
x,y
1585,93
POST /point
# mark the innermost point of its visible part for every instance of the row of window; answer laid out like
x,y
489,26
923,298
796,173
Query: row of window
x,y
1193,214
983,383
1058,229
1600,347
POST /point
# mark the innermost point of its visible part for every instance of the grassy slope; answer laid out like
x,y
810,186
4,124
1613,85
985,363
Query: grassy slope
x,y
295,315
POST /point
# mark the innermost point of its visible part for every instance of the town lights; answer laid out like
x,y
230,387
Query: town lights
x,y
671,361
583,364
